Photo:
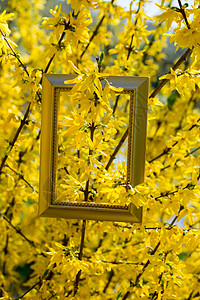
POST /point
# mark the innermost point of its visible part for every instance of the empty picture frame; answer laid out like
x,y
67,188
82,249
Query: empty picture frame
x,y
50,203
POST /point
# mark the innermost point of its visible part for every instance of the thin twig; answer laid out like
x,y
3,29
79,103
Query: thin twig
x,y
24,120
12,143
30,289
17,57
51,59
112,157
5,250
14,53
21,176
190,295
153,94
110,276
51,296
152,253
130,48
16,229
182,11
166,150
176,217
86,194
176,65
175,191
150,44
94,33
80,257
115,105
188,154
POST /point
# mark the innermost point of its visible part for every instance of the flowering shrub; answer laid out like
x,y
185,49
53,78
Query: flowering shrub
x,y
43,258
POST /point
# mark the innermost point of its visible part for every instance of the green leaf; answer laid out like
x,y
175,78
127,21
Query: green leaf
x,y
101,58
45,274
184,255
119,295
171,100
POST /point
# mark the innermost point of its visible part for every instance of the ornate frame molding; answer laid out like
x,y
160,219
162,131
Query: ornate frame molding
x,y
53,84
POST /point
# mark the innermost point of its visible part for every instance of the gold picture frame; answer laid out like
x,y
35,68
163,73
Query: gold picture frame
x,y
52,85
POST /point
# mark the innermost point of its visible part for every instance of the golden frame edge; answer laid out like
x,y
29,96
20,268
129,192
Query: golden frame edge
x,y
87,210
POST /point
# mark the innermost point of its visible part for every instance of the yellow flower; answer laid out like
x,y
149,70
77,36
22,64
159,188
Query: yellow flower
x,y
170,15
77,4
50,23
187,37
3,22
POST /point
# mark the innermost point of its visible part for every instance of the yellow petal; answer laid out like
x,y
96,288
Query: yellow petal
x,y
76,70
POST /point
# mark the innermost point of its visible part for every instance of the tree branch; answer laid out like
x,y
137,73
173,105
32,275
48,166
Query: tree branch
x,y
176,65
80,257
153,94
12,143
166,150
112,157
94,33
110,276
182,11
152,253
130,48
31,288
14,53
51,59
24,120
21,176
17,229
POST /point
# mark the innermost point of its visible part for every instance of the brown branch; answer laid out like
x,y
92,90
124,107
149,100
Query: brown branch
x,y
80,257
112,157
152,253
115,105
155,294
130,48
110,276
21,176
176,65
176,217
153,94
59,43
182,11
30,289
94,33
52,296
190,295
166,150
145,54
188,154
189,185
47,276
5,250
24,120
14,53
17,57
66,27
194,125
86,194
16,229
12,143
